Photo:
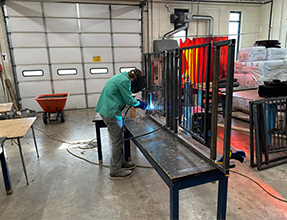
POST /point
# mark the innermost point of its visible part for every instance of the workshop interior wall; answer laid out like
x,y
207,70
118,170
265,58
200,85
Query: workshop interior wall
x,y
255,24
160,21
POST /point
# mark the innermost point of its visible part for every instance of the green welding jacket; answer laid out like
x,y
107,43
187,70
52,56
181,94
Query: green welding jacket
x,y
115,95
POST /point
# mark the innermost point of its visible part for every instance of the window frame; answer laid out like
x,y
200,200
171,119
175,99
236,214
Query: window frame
x,y
90,70
33,71
238,31
69,74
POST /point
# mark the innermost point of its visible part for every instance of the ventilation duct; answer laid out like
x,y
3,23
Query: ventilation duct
x,y
185,25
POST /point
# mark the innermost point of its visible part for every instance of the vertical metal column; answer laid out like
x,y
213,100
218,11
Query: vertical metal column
x,y
214,110
207,87
180,90
228,103
168,95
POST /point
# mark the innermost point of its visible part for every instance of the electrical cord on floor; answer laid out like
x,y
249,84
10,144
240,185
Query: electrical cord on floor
x,y
107,166
92,145
282,200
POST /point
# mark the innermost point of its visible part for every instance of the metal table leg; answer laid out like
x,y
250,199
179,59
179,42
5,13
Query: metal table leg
x,y
127,147
99,143
22,159
222,198
35,141
174,201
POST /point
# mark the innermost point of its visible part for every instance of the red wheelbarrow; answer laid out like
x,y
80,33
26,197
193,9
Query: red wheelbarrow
x,y
52,104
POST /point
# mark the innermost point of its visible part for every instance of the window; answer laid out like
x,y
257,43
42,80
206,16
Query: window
x,y
31,73
127,69
99,70
62,72
234,28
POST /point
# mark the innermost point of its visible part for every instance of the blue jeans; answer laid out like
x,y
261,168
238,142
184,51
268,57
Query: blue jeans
x,y
116,138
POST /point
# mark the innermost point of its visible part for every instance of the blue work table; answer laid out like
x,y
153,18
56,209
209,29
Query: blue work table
x,y
174,160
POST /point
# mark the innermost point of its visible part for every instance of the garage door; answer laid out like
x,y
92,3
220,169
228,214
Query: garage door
x,y
70,48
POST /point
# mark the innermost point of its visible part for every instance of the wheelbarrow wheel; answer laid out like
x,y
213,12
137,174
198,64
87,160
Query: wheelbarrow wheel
x,y
45,118
62,116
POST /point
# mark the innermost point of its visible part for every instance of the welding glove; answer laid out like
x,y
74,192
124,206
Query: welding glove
x,y
142,105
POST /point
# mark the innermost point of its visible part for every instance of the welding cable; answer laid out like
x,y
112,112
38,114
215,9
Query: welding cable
x,y
84,142
65,142
141,135
282,200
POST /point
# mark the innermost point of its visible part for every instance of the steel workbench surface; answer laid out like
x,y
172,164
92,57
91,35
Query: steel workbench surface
x,y
175,161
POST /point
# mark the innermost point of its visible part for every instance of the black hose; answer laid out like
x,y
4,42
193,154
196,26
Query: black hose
x,y
140,134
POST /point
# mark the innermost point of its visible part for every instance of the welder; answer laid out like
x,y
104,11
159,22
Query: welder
x,y
115,95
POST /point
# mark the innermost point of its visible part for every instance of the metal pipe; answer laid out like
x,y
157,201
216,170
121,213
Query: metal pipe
x,y
270,20
168,34
185,25
280,26
204,17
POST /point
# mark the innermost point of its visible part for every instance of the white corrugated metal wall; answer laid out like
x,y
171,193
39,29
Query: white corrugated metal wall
x,y
79,38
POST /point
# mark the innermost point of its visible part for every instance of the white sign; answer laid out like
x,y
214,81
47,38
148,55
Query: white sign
x,y
4,57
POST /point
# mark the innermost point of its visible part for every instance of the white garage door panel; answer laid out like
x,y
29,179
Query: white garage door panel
x,y
127,40
26,24
60,10
95,25
75,101
61,25
65,55
63,40
29,89
125,12
98,65
96,40
21,78
31,104
93,99
29,40
127,54
30,56
51,36
24,8
127,65
104,53
56,67
94,11
96,85
126,26
69,86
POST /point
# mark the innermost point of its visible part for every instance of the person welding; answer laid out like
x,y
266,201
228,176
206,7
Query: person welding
x,y
115,95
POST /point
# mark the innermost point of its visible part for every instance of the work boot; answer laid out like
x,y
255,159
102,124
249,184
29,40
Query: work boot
x,y
128,166
124,174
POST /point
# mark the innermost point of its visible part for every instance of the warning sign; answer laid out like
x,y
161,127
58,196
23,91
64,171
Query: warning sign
x,y
96,58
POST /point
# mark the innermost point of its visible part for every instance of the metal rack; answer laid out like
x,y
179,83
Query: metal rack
x,y
174,78
268,144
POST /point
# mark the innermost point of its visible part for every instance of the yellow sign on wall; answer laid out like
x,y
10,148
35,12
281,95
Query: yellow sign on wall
x,y
96,58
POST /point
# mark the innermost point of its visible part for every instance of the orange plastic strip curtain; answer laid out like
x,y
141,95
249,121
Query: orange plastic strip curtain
x,y
194,63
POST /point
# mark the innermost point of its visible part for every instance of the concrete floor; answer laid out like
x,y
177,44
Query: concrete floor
x,y
63,186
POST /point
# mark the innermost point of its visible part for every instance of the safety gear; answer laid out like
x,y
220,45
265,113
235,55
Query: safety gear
x,y
142,105
115,95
